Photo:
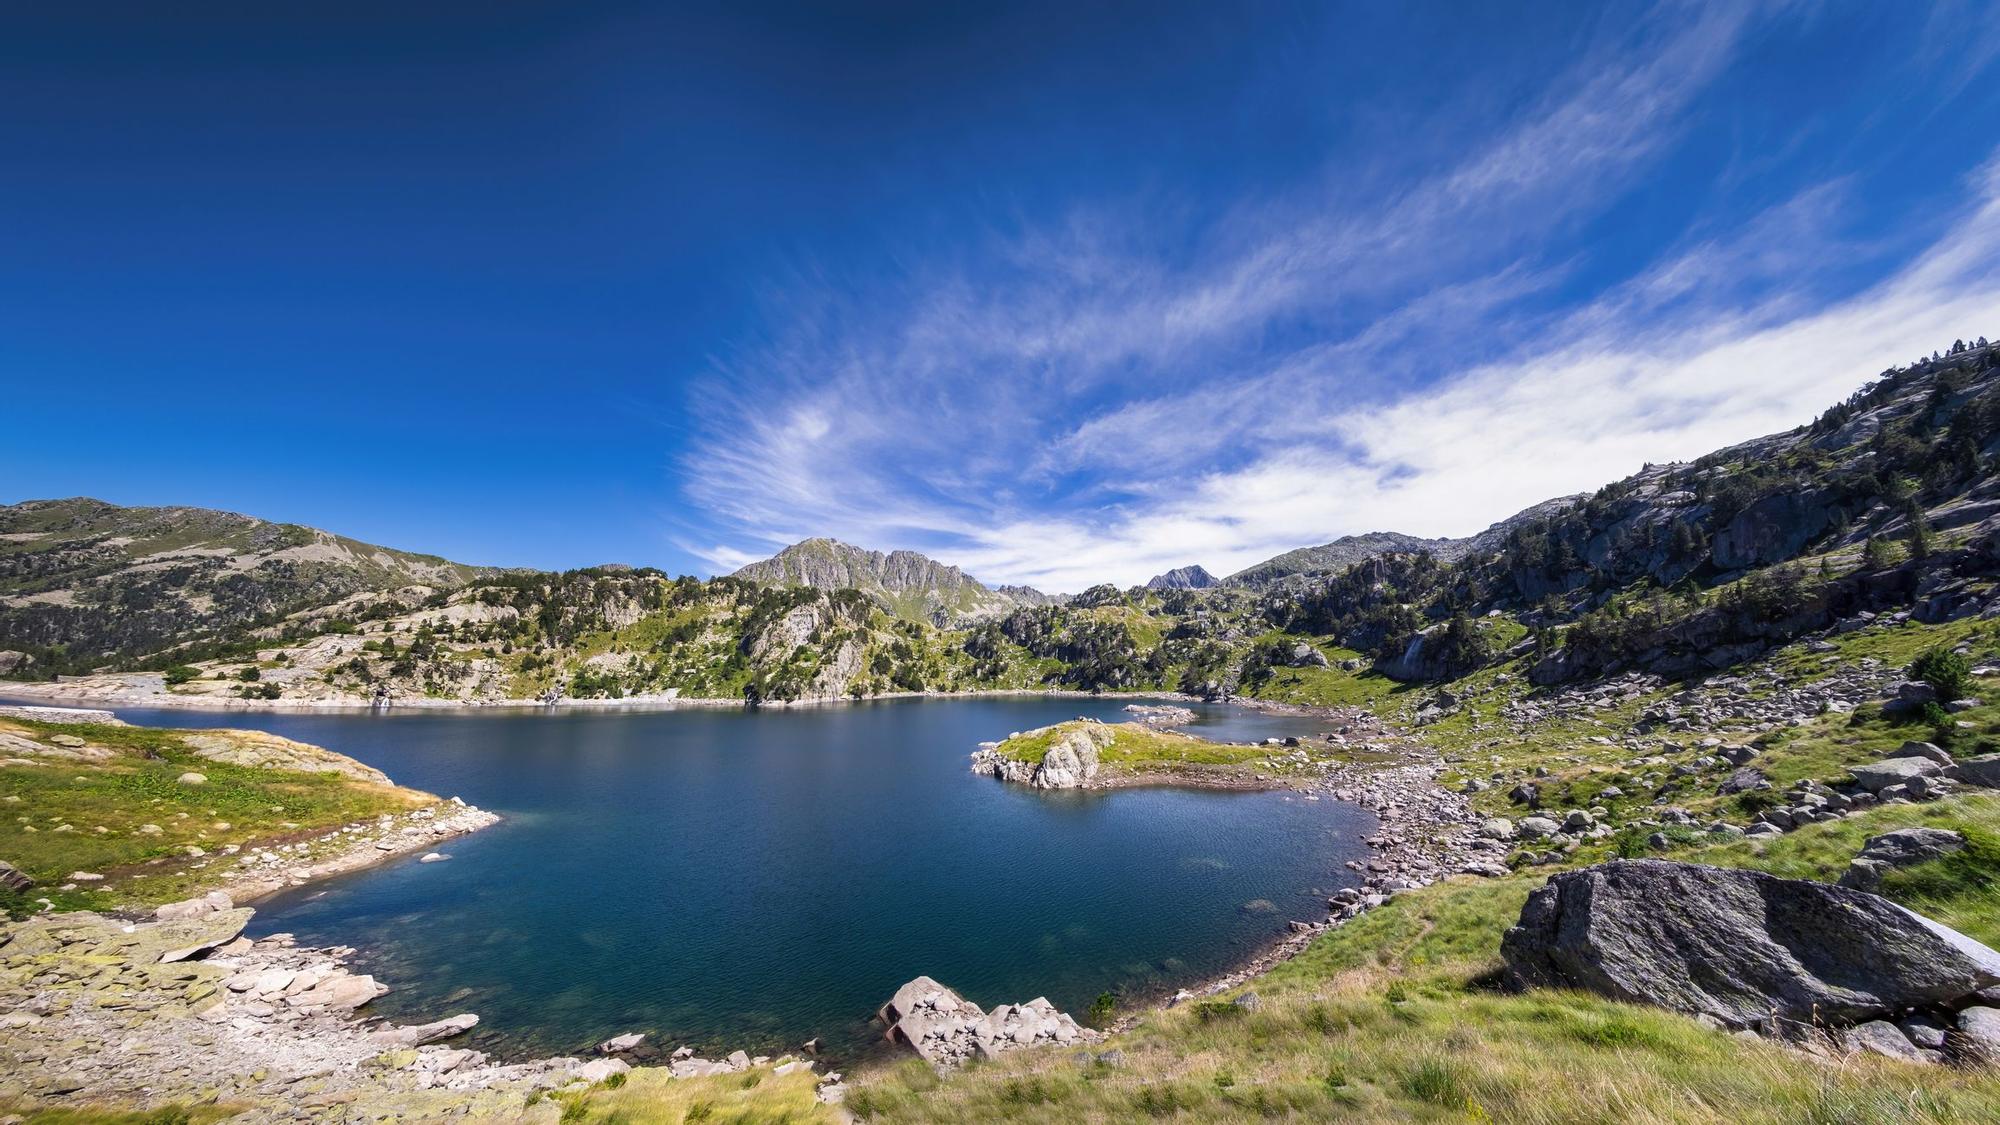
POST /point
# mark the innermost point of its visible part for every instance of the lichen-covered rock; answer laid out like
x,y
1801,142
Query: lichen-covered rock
x,y
1741,947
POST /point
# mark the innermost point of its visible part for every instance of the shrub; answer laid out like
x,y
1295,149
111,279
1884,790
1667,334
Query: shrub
x,y
1101,1009
1946,671
182,673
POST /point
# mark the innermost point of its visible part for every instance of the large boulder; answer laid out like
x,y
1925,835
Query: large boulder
x,y
1877,776
1741,947
1983,771
945,1029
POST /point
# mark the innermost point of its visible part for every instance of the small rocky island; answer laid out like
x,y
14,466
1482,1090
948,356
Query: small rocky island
x,y
1088,754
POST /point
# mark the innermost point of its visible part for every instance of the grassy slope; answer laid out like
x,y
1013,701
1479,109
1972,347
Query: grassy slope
x,y
140,786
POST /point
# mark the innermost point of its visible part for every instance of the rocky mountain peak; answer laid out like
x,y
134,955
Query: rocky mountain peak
x,y
1182,578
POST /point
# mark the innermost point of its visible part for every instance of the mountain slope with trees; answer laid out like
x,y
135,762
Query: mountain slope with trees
x,y
1887,503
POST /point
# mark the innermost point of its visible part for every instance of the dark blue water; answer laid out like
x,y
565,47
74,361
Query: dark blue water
x,y
731,878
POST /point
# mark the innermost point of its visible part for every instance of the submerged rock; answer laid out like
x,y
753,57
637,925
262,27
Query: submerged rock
x,y
1740,947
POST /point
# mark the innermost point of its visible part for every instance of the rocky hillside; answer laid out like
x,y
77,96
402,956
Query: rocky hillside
x,y
909,585
83,582
1182,578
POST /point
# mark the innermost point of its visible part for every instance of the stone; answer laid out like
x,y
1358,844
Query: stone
x,y
192,778
1979,1035
1538,827
618,1043
1925,750
1743,781
209,903
1496,828
433,857
181,939
1904,847
1883,1038
1578,821
1878,776
1983,771
14,879
1925,1033
416,1035
1740,947
339,992
600,1069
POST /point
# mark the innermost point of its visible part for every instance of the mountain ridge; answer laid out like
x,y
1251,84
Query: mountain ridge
x,y
909,584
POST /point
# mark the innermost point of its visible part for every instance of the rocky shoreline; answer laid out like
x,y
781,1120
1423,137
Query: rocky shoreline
x,y
264,871
102,1010
93,692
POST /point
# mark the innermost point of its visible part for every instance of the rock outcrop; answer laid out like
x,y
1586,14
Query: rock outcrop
x,y
946,1030
1743,948
1071,761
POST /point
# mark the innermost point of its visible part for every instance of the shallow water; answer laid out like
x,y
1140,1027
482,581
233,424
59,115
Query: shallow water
x,y
732,878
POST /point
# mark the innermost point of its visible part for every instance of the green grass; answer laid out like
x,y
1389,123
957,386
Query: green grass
x,y
651,1097
140,786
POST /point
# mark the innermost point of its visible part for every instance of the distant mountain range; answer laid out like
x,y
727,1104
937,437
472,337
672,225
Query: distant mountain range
x,y
1334,557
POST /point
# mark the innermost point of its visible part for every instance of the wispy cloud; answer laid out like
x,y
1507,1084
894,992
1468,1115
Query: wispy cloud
x,y
1070,404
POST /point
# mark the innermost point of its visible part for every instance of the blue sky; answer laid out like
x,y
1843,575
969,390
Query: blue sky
x,y
1058,293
